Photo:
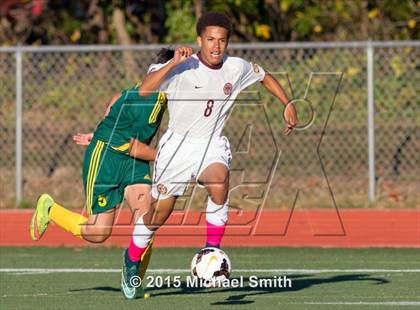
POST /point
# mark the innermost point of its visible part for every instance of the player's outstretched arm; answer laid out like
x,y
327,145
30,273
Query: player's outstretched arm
x,y
290,115
141,150
153,80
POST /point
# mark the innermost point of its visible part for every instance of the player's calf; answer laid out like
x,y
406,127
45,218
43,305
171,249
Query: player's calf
x,y
96,234
216,180
98,227
159,213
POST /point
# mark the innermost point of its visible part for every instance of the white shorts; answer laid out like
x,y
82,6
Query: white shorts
x,y
181,159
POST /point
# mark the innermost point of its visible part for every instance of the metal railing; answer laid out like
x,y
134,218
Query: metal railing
x,y
49,93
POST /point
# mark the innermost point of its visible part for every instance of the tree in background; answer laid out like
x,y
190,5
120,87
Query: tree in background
x,y
172,21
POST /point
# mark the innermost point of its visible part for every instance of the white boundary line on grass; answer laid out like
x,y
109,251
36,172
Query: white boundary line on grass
x,y
165,271
367,303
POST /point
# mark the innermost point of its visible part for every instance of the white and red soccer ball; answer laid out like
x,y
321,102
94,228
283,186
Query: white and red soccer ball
x,y
211,264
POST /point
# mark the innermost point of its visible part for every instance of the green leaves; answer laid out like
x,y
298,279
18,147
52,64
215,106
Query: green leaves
x,y
173,21
180,23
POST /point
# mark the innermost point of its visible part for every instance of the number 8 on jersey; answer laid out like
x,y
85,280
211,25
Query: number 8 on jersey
x,y
209,108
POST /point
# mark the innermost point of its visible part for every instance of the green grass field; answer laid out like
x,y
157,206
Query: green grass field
x,y
321,279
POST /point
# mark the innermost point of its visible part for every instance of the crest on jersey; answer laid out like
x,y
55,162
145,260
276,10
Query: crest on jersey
x,y
102,201
227,89
256,68
162,189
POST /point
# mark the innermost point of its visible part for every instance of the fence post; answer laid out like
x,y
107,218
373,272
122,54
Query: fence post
x,y
371,121
18,56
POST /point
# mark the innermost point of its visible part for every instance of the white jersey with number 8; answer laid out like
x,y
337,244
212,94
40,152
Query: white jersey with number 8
x,y
200,96
199,100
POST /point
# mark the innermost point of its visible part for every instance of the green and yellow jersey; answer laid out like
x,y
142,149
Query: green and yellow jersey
x,y
107,168
131,116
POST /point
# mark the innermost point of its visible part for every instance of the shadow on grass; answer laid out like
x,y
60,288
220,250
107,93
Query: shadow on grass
x,y
99,288
239,294
298,283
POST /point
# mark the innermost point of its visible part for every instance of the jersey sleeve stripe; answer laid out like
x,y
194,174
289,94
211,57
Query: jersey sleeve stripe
x,y
156,109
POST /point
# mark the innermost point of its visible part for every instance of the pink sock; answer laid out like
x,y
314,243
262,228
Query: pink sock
x,y
135,252
214,234
139,241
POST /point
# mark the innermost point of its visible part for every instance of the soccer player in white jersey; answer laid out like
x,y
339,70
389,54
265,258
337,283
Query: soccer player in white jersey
x,y
201,89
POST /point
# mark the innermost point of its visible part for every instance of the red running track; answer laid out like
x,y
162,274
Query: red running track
x,y
302,228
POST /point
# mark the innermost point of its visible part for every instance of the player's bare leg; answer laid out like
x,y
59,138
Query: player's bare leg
x,y
159,213
216,179
95,228
98,227
138,198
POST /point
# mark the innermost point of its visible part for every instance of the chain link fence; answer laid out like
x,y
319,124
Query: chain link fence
x,y
51,93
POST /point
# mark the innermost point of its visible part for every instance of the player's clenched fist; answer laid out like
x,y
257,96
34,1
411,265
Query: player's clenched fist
x,y
182,53
290,116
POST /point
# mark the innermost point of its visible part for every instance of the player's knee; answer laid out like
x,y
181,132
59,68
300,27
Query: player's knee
x,y
98,239
97,234
216,180
218,188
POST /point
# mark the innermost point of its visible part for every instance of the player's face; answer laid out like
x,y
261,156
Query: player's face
x,y
213,42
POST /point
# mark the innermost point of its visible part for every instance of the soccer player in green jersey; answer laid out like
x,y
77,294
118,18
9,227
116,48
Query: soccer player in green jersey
x,y
116,163
109,167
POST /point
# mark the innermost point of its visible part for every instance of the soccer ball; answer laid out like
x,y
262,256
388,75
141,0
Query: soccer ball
x,y
211,264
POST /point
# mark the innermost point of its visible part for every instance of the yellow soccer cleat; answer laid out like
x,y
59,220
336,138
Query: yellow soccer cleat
x,y
40,218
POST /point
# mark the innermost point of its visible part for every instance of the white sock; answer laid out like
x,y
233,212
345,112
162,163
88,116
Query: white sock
x,y
141,234
217,214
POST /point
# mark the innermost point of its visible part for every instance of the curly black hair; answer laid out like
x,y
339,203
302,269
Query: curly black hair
x,y
164,55
213,19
